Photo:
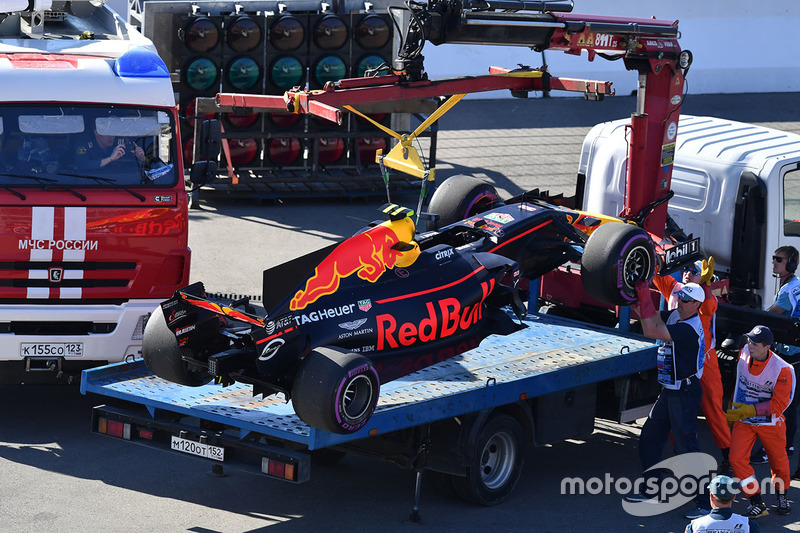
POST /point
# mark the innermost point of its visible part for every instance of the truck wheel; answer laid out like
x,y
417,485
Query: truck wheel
x,y
615,257
162,354
460,197
495,464
335,391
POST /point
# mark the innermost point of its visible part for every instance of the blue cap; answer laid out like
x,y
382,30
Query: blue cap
x,y
761,335
724,487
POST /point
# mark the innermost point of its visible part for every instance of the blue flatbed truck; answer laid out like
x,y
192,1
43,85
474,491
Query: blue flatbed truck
x,y
467,419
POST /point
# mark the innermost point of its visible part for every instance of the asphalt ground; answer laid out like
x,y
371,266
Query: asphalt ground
x,y
55,476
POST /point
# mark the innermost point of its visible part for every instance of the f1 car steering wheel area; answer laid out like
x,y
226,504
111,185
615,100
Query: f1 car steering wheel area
x,y
615,257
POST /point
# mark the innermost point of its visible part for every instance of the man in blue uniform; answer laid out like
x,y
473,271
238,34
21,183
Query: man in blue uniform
x,y
108,150
681,354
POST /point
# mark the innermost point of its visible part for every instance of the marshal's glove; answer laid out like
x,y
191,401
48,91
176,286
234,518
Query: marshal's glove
x,y
646,307
739,411
708,271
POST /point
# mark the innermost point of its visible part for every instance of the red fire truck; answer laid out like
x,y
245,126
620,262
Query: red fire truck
x,y
93,208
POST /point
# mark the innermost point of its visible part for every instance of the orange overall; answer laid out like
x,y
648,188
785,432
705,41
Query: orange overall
x,y
768,426
711,380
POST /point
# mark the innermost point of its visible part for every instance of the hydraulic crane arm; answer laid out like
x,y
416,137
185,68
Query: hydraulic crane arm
x,y
647,46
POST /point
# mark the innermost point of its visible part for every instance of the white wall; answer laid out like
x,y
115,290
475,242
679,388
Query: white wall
x,y
738,46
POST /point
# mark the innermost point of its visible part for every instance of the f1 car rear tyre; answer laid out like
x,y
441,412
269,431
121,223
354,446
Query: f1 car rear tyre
x,y
615,257
494,464
335,391
460,197
162,354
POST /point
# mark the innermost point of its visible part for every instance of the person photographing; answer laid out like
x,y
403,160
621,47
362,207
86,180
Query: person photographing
x,y
107,150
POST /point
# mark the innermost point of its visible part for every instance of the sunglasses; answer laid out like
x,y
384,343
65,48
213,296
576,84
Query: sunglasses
x,y
777,258
693,271
687,300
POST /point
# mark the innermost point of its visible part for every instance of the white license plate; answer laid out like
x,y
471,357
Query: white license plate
x,y
51,349
217,453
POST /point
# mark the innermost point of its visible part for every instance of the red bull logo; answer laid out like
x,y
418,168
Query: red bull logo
x,y
454,318
367,254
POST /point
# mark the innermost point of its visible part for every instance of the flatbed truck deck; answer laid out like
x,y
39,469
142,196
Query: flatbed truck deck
x,y
547,359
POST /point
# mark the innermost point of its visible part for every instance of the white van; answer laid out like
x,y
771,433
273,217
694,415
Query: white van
x,y
736,185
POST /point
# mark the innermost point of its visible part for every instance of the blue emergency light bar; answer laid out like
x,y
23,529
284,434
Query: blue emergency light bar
x,y
139,62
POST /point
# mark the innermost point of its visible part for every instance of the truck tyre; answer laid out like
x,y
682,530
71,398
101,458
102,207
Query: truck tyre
x,y
335,391
162,354
615,257
460,197
495,463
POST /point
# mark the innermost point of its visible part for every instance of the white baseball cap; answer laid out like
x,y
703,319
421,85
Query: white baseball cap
x,y
692,291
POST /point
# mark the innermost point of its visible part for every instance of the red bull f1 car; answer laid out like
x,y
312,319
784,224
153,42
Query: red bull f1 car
x,y
391,300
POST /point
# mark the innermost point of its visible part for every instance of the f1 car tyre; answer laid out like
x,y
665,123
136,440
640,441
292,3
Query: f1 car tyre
x,y
495,463
335,391
615,257
162,354
460,197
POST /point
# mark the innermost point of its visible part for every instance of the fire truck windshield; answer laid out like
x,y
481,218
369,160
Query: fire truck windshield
x,y
86,146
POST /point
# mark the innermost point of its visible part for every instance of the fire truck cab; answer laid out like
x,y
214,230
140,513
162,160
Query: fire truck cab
x,y
93,208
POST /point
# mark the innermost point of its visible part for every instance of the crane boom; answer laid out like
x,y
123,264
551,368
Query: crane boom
x,y
648,46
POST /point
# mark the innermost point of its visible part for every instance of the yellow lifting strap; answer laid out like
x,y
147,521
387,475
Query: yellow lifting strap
x,y
404,157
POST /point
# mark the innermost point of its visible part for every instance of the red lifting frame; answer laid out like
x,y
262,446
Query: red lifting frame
x,y
648,46
355,91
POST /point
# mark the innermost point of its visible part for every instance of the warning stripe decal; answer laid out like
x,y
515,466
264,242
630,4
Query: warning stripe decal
x,y
49,224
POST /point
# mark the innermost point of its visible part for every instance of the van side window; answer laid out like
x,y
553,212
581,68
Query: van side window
x,y
791,203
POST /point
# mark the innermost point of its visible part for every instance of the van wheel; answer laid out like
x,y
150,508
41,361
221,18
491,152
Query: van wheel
x,y
460,197
164,357
615,257
335,391
494,464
